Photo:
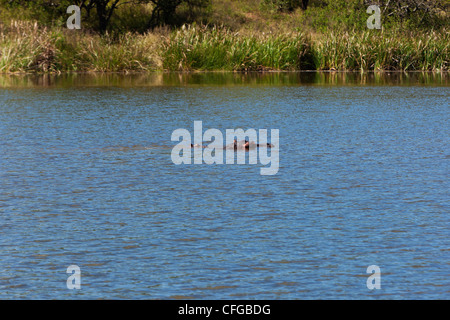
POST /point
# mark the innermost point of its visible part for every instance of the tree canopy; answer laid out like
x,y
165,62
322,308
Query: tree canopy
x,y
141,15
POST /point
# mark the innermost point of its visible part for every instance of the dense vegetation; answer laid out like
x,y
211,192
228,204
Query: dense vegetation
x,y
232,35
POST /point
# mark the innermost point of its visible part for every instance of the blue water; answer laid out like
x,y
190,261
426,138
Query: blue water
x,y
87,180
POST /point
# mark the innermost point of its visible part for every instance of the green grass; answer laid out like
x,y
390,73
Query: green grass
x,y
202,48
129,52
27,47
379,50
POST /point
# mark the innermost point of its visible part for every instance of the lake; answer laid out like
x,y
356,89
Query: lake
x,y
87,179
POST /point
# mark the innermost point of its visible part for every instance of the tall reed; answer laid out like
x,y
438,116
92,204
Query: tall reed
x,y
380,50
202,48
27,47
24,46
129,52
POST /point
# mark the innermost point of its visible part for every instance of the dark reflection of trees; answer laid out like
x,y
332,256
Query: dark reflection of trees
x,y
224,79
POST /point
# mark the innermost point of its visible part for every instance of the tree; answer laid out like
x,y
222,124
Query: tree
x,y
418,12
104,10
304,4
44,11
290,5
53,9
164,10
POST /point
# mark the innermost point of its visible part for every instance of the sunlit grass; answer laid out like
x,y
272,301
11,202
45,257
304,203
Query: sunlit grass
x,y
202,48
130,52
379,50
28,47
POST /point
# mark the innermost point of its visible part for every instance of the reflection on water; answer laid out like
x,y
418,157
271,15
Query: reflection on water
x,y
87,179
225,78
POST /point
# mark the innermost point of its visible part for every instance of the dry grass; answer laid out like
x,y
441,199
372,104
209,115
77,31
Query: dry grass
x,y
28,47
24,46
218,48
379,50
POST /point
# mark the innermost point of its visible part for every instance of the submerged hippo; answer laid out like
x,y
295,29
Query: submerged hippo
x,y
246,145
268,145
197,146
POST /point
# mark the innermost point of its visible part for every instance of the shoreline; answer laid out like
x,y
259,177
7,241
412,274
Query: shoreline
x,y
32,49
225,78
143,72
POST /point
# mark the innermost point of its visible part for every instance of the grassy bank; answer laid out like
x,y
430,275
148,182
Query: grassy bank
x,y
201,48
383,50
229,35
27,47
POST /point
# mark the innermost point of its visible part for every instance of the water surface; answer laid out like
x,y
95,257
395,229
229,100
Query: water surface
x,y
87,179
